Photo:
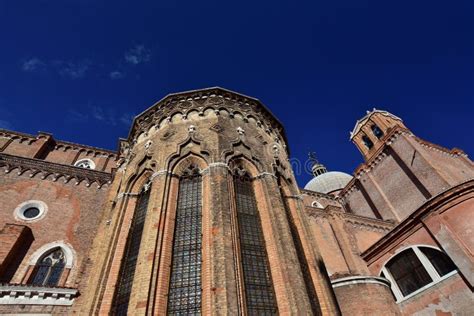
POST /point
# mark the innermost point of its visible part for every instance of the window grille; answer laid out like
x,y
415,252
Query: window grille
x,y
132,248
184,296
49,269
260,299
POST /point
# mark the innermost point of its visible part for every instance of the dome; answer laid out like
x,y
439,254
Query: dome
x,y
329,182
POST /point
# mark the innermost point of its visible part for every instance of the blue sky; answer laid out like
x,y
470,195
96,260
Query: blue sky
x,y
81,69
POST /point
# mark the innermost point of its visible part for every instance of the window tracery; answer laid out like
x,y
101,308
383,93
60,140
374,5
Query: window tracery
x,y
48,270
85,163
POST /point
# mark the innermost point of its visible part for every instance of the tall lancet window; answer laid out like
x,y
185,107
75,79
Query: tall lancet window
x,y
258,285
184,296
129,262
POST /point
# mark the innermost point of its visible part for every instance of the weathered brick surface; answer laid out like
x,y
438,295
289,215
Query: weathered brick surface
x,y
310,238
366,300
14,243
450,297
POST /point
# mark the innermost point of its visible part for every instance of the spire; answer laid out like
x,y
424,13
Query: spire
x,y
317,168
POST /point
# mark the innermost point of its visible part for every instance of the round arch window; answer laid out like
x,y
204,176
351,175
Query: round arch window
x,y
32,210
85,163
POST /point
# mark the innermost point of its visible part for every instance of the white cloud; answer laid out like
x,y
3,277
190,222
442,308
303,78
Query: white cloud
x,y
78,116
73,70
98,113
32,64
114,75
126,119
138,55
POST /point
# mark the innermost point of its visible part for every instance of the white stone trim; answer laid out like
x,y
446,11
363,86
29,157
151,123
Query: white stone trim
x,y
360,280
69,253
316,204
430,269
40,205
90,161
264,174
36,295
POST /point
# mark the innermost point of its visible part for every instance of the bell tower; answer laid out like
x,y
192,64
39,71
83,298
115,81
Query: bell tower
x,y
370,132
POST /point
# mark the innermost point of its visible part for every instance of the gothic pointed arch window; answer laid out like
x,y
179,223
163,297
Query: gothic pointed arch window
x,y
257,280
49,268
184,297
132,248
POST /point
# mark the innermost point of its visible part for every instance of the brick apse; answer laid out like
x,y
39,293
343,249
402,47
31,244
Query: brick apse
x,y
199,212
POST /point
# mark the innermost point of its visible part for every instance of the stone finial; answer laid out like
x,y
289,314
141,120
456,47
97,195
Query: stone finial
x,y
148,145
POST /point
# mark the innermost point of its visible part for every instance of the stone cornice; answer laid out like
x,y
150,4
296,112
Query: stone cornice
x,y
58,143
455,152
318,194
355,220
54,171
200,100
362,279
430,206
363,120
16,294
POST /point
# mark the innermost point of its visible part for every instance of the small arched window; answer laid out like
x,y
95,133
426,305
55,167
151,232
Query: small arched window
x,y
49,268
415,269
85,163
316,204
377,131
367,142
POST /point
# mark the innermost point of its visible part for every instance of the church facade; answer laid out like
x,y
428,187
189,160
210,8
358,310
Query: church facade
x,y
199,212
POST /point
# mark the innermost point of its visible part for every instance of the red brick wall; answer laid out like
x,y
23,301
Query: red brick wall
x,y
403,177
449,297
44,147
366,299
73,215
15,241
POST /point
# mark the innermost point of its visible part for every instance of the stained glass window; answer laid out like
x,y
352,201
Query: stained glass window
x,y
260,298
129,262
184,296
48,270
